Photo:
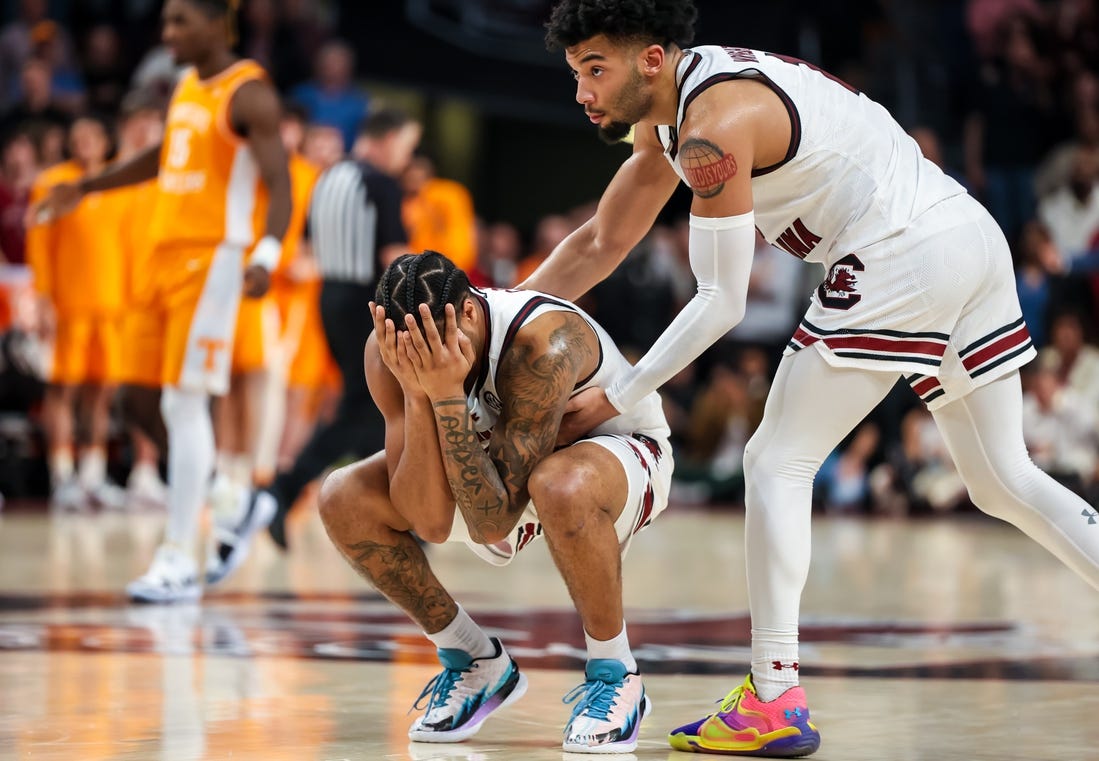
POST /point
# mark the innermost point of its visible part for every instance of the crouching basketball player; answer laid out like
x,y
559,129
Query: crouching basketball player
x,y
473,385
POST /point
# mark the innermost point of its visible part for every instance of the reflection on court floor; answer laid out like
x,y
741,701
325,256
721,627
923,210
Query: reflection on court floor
x,y
948,639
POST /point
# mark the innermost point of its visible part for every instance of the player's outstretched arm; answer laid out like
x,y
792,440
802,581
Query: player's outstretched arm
x,y
63,197
717,150
255,114
626,212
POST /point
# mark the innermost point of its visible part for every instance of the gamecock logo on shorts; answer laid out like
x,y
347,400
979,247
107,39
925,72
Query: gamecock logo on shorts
x,y
838,291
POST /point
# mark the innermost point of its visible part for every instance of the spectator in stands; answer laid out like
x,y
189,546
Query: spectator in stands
x,y
268,36
36,109
1059,427
18,170
17,46
322,145
498,249
918,474
331,97
104,71
1075,361
1039,262
1008,130
550,230
1072,211
843,483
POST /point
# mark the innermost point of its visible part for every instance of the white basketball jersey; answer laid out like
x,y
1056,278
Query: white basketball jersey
x,y
507,311
851,177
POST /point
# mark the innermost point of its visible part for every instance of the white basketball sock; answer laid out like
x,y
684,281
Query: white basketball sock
x,y
617,648
464,634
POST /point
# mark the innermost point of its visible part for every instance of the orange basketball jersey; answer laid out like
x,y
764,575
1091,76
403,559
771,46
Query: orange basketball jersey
x,y
76,259
209,182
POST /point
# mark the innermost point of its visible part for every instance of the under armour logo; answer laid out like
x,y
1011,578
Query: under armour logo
x,y
794,714
1091,515
779,665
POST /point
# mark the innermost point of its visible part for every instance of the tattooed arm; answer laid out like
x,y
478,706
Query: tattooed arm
x,y
534,380
418,486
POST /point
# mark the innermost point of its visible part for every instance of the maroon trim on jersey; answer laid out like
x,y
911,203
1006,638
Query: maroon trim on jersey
x,y
648,499
524,314
795,127
482,375
886,345
978,360
791,109
673,150
872,343
927,387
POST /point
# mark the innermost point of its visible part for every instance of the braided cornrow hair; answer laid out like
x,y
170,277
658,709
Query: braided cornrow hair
x,y
413,279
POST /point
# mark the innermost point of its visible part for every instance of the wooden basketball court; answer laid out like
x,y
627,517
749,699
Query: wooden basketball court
x,y
953,638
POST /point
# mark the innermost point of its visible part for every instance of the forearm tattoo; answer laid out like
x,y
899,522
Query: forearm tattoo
x,y
401,573
474,481
706,166
490,488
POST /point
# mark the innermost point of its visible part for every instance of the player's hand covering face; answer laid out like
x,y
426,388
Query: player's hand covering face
x,y
441,362
393,357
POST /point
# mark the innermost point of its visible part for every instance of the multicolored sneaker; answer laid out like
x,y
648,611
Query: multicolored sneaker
x,y
609,708
747,726
465,693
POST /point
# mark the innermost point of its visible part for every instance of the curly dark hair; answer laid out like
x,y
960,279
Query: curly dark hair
x,y
650,22
413,279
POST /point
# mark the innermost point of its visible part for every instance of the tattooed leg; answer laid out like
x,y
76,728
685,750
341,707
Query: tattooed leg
x,y
579,493
376,541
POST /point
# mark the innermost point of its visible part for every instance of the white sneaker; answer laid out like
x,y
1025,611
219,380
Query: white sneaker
x,y
172,577
108,496
232,538
69,496
145,487
465,693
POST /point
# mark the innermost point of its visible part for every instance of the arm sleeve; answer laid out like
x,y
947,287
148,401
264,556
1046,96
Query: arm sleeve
x,y
386,196
721,252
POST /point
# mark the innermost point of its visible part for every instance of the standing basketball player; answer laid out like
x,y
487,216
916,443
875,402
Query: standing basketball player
x,y
919,285
220,154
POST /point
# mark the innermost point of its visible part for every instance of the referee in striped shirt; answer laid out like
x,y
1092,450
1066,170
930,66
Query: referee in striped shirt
x,y
355,229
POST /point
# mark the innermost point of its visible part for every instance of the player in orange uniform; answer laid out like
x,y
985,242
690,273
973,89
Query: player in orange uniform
x,y
79,275
221,150
142,126
248,421
438,214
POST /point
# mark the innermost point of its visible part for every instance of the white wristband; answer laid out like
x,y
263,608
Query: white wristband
x,y
266,253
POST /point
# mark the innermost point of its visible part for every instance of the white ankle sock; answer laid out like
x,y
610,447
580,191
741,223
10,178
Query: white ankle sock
x,y
617,648
93,467
774,662
464,634
61,466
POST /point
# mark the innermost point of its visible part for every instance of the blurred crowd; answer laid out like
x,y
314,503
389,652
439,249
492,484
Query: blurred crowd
x,y
1026,144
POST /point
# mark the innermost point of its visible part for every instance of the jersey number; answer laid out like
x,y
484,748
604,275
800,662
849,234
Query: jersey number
x,y
179,148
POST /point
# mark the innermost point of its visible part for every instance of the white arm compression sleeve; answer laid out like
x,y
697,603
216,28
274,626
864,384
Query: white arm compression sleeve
x,y
721,252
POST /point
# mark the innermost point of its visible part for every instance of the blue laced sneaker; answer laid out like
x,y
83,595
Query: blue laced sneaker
x,y
608,712
465,693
